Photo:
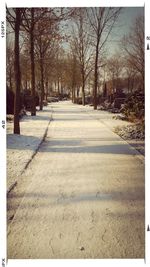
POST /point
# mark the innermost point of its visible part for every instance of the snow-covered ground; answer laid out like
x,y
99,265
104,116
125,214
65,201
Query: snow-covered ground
x,y
113,124
81,195
21,148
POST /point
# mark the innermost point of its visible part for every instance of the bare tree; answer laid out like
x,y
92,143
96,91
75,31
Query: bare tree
x,y
131,74
10,65
81,43
28,24
133,46
17,72
114,69
101,21
45,33
48,49
72,74
39,22
75,76
30,18
25,70
14,18
50,65
33,110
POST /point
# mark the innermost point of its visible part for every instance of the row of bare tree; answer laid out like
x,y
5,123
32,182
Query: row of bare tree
x,y
35,29
90,34
66,46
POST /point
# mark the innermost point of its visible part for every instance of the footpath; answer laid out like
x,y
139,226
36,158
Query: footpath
x,y
82,193
125,129
22,148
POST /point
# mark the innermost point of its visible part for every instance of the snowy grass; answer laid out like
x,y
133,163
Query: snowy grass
x,y
21,148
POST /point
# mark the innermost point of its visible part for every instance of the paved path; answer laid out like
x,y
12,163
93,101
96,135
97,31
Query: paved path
x,y
82,196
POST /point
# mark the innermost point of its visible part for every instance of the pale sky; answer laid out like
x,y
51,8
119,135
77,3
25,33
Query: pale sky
x,y
124,23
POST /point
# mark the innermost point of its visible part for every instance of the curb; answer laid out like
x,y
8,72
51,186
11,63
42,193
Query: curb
x,y
32,156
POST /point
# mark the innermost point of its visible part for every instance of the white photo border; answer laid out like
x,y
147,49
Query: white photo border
x,y
3,240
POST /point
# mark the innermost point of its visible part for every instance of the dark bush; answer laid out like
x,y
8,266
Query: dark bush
x,y
134,106
27,99
118,102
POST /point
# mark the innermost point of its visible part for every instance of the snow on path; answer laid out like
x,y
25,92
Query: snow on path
x,y
108,119
85,194
21,148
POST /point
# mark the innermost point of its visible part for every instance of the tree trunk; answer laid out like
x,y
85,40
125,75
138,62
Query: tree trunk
x,y
73,87
83,85
42,84
73,94
26,78
95,79
55,86
58,86
10,79
17,73
143,81
78,89
61,86
33,108
83,93
46,95
132,85
128,85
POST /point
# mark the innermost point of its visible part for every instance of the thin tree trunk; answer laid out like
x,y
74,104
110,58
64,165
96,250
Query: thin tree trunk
x,y
58,86
132,86
128,85
95,79
26,78
72,95
33,108
83,93
55,86
61,85
78,89
46,86
26,84
62,92
10,79
83,85
143,81
42,84
17,73
73,78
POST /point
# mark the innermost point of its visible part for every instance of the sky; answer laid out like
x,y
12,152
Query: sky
x,y
124,23
123,26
